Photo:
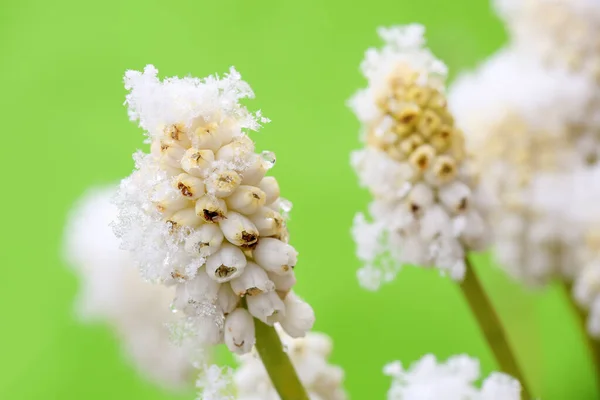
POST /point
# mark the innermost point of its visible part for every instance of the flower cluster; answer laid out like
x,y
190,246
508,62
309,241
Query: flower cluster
x,y
309,357
113,293
426,210
199,213
567,36
453,380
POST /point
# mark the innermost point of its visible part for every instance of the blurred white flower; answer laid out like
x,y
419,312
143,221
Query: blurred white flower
x,y
309,354
198,212
568,35
522,120
426,209
112,292
428,379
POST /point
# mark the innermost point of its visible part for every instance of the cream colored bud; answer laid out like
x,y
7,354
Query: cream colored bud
x,y
246,199
455,196
422,157
443,170
268,221
227,299
275,256
270,186
222,183
267,307
239,335
411,144
255,171
239,230
197,162
299,316
177,133
206,240
226,264
419,95
253,281
429,123
201,289
168,201
206,136
170,152
211,209
283,283
420,198
240,148
189,186
185,218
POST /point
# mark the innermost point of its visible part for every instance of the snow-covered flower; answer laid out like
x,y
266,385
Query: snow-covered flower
x,y
572,200
426,208
113,293
199,213
309,354
428,379
522,120
568,35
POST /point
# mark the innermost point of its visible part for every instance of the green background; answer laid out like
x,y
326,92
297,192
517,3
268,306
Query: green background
x,y
64,128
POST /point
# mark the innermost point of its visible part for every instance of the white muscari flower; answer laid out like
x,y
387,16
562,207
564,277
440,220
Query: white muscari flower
x,y
112,292
568,36
309,354
199,213
426,209
428,379
522,120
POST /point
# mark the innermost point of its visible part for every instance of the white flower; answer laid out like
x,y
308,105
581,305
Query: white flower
x,y
523,120
568,36
454,379
426,209
309,357
113,293
199,213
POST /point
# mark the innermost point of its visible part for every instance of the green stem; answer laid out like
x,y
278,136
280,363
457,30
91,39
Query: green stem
x,y
592,345
277,363
491,327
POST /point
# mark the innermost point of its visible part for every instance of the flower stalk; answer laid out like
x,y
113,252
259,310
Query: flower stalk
x,y
491,327
277,363
593,346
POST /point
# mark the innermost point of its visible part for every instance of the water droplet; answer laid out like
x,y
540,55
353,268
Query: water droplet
x,y
173,308
269,158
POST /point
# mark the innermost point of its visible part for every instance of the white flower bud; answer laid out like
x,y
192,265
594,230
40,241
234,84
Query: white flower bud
x,y
299,316
211,209
222,183
186,217
168,201
455,196
239,230
206,136
267,307
198,290
268,222
275,255
197,162
226,264
170,152
239,331
189,186
255,171
420,198
227,299
253,281
177,133
435,221
246,199
270,186
206,240
239,148
283,283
